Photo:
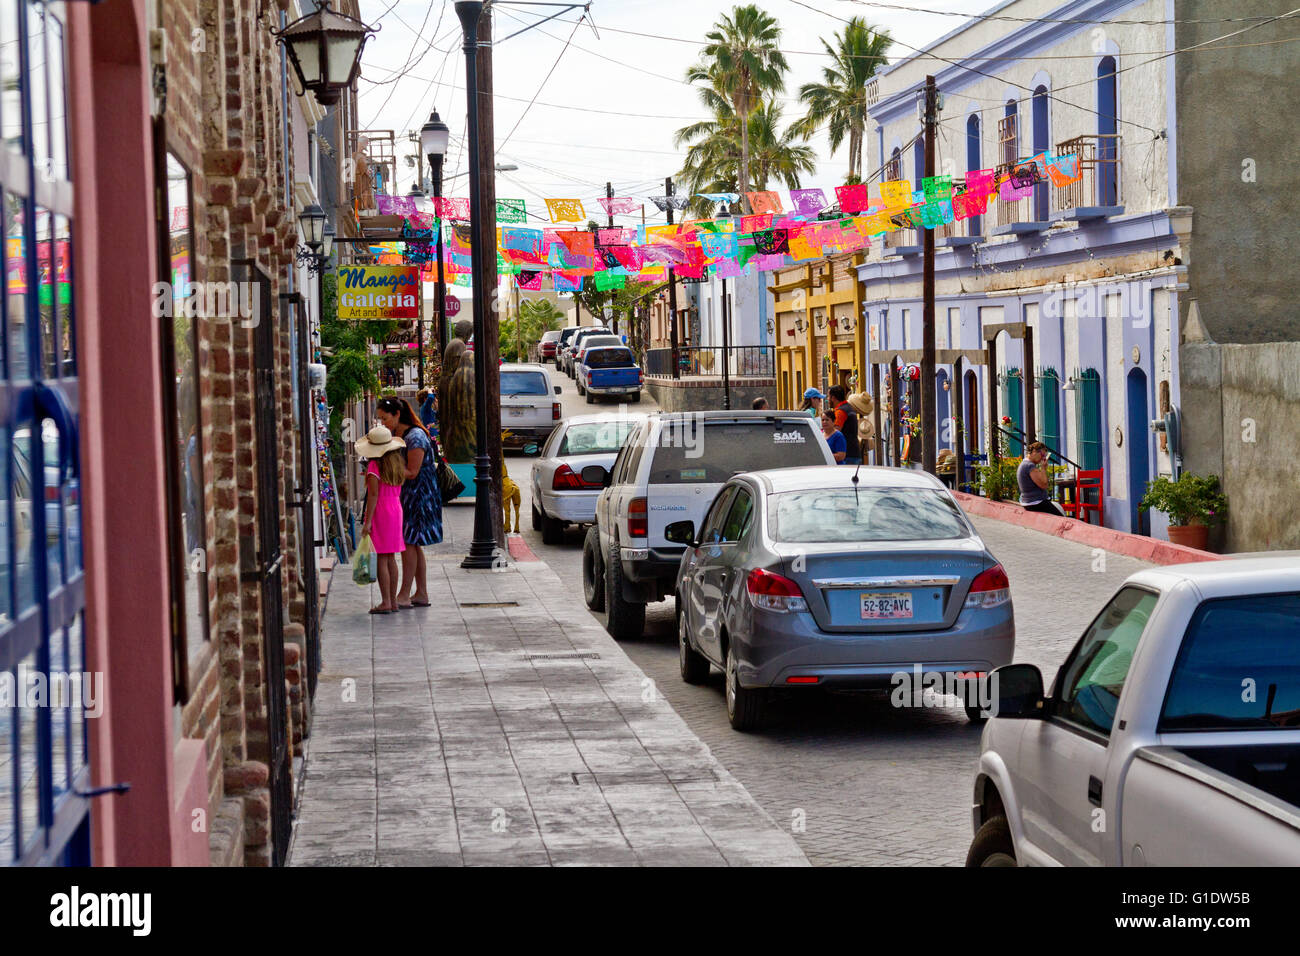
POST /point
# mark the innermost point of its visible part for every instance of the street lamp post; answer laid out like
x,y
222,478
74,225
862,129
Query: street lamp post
x,y
418,193
434,136
482,549
725,214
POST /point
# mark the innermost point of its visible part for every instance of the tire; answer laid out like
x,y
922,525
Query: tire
x,y
973,711
537,519
636,397
591,399
694,665
579,385
624,619
992,845
552,530
593,571
744,706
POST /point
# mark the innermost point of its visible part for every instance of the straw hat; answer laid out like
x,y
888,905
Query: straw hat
x,y
378,442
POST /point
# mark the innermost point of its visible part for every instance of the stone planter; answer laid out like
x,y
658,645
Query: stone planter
x,y
1191,536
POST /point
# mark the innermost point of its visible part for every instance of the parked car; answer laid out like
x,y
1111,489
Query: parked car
x,y
561,496
546,347
607,369
575,343
1171,736
529,411
669,469
836,577
585,344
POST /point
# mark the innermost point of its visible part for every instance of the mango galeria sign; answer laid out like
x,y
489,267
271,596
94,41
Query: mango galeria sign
x,y
379,292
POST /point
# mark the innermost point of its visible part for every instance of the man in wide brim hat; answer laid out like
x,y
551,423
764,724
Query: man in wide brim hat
x,y
864,405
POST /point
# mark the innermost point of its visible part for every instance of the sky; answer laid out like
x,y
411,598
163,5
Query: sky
x,y
607,105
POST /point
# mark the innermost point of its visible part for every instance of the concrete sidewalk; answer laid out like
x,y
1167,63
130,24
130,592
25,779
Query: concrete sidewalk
x,y
503,726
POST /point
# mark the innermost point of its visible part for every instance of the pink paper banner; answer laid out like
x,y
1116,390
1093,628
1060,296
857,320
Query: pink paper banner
x,y
618,206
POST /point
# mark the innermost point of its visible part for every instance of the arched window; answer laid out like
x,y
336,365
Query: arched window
x,y
1007,140
895,168
1088,418
974,159
1040,134
1013,402
1107,133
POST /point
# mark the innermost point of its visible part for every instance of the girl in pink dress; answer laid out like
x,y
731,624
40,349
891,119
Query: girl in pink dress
x,y
383,521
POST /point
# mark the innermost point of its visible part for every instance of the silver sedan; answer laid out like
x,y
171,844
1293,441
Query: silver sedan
x,y
839,577
560,496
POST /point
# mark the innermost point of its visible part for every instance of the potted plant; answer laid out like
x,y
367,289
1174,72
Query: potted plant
x,y
1193,503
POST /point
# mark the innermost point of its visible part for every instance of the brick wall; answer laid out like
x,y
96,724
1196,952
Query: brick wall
x,y
225,121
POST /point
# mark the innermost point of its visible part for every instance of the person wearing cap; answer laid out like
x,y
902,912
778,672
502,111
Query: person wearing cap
x,y
385,472
812,403
846,420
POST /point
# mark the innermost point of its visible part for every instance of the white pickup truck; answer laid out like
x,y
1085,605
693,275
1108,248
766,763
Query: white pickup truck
x,y
1171,736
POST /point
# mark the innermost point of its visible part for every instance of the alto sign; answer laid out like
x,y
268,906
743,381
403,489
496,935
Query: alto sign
x,y
453,304
379,292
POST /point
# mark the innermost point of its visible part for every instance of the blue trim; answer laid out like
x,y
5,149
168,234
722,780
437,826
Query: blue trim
x,y
1020,42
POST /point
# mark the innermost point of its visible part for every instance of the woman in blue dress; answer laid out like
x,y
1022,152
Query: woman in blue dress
x,y
421,500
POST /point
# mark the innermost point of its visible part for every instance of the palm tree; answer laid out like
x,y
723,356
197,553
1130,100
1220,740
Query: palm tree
x,y
714,159
840,101
741,67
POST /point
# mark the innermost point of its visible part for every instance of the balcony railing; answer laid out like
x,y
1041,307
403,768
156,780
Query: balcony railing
x,y
1099,162
756,361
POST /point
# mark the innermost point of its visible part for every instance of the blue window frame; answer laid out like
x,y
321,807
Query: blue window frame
x,y
1013,400
1107,133
1040,135
43,740
1088,418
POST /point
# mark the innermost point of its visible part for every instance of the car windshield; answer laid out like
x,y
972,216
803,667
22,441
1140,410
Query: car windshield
x,y
692,451
523,383
593,341
608,358
550,336
868,514
595,438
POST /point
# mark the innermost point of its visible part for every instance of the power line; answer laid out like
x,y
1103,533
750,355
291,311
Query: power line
x,y
902,8
544,80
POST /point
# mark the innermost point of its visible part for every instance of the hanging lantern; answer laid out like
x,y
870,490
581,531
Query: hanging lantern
x,y
325,50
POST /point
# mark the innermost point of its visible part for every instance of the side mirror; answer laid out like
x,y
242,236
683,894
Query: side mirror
x,y
595,475
681,532
1019,691
557,390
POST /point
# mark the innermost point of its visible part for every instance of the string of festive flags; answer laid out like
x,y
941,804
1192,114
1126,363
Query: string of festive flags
x,y
770,237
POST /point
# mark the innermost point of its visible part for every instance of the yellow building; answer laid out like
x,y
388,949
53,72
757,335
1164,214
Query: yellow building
x,y
817,327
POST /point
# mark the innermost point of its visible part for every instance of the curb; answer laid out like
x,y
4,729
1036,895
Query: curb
x,y
1117,542
519,549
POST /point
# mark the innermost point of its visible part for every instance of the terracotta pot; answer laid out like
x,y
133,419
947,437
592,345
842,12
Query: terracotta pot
x,y
1191,536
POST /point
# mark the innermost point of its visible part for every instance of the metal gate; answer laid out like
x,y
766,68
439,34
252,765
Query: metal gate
x,y
306,494
44,753
269,560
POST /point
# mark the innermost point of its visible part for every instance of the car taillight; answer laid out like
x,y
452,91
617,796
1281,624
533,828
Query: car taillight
x,y
990,588
555,411
566,479
772,592
640,377
637,522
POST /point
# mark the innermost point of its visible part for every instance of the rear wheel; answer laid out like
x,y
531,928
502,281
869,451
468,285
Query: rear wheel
x,y
992,845
578,382
636,396
591,399
694,665
624,619
593,571
744,705
537,519
552,530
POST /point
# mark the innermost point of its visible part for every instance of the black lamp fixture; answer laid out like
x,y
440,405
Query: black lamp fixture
x,y
325,50
327,241
434,137
312,222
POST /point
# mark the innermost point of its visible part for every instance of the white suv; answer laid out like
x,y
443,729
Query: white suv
x,y
529,409
670,469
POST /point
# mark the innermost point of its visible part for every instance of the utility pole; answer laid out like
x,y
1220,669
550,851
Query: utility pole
x,y
609,194
672,287
929,422
487,237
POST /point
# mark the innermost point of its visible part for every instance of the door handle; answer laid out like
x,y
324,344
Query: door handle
x,y
1094,791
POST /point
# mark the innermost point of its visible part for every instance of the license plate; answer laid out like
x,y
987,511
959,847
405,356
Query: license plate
x,y
886,605
516,412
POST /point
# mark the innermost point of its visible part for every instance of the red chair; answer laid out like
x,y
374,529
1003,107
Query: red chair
x,y
1081,506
